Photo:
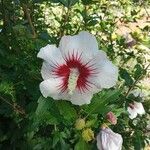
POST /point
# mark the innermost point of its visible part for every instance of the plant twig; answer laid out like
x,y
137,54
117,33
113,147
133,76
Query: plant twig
x,y
15,106
64,21
27,14
135,82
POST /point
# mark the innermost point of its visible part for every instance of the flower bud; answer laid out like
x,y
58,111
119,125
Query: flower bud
x,y
109,140
104,125
88,135
111,118
114,36
80,124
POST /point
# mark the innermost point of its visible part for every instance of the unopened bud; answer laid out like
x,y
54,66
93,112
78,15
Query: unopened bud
x,y
80,124
114,36
104,125
88,135
111,118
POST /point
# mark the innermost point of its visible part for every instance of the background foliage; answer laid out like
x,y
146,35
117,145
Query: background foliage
x,y
122,28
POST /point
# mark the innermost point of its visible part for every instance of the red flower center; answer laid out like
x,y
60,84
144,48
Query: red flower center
x,y
73,62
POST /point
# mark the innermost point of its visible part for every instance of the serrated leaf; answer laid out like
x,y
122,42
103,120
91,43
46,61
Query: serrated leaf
x,y
67,110
47,111
99,103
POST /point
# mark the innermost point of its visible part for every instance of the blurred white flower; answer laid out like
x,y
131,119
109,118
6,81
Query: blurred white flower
x,y
137,93
76,69
134,109
109,140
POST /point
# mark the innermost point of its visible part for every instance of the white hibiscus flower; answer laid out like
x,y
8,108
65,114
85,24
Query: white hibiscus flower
x,y
109,140
137,93
76,69
134,109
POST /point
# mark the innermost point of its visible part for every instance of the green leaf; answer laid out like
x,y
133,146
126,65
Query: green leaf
x,y
56,139
126,76
92,22
66,3
47,111
138,141
138,70
118,111
7,88
81,145
67,110
99,103
88,2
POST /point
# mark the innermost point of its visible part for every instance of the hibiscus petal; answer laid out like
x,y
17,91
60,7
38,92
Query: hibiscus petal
x,y
99,142
109,140
107,74
132,113
51,54
79,98
84,42
46,70
50,88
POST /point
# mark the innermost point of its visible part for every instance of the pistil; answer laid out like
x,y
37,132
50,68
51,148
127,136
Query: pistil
x,y
72,81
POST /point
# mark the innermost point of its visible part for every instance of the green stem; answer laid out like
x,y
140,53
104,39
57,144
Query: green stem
x,y
28,16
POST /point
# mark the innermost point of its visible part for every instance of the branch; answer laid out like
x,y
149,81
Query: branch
x,y
27,14
136,81
15,106
64,21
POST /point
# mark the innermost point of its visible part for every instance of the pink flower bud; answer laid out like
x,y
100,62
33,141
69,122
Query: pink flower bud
x,y
111,118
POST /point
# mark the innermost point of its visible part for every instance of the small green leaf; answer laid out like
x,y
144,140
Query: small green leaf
x,y
81,145
138,71
126,76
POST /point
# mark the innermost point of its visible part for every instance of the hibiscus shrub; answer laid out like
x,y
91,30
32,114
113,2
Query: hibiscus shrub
x,y
74,74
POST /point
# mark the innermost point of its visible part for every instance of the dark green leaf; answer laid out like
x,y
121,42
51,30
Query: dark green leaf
x,y
99,103
47,111
126,76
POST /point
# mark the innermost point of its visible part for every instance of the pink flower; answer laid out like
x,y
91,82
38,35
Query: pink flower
x,y
109,140
111,118
76,69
